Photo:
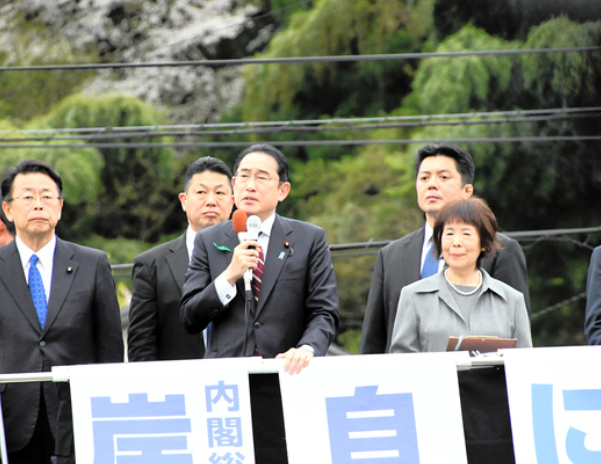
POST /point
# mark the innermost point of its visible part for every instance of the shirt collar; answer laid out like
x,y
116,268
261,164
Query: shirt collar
x,y
267,225
428,233
190,236
45,254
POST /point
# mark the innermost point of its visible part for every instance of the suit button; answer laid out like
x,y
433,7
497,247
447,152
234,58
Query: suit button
x,y
257,325
42,343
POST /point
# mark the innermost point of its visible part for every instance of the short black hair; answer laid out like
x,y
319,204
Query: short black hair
x,y
9,225
29,166
463,160
473,211
206,163
270,150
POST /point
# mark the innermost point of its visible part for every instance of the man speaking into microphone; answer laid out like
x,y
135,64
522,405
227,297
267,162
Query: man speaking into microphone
x,y
293,312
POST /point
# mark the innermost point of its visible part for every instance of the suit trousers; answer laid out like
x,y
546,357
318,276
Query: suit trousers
x,y
40,449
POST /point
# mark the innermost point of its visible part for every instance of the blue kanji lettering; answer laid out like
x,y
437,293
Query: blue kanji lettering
x,y
544,426
368,428
138,406
114,432
224,431
221,391
152,450
227,458
581,400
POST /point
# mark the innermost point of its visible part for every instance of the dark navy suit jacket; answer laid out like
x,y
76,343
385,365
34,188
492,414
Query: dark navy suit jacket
x,y
83,326
155,331
592,321
298,301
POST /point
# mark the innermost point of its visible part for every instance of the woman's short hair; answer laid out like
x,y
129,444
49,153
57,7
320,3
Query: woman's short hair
x,y
472,211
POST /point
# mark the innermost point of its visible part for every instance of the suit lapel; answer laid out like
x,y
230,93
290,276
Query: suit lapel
x,y
11,273
63,273
414,254
445,295
277,254
220,259
178,260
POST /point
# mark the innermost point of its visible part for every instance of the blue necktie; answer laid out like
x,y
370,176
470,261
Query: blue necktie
x,y
430,264
36,288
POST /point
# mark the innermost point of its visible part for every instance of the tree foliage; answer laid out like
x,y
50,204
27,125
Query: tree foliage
x,y
138,195
337,27
25,95
559,181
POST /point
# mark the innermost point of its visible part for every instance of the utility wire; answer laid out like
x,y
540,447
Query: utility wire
x,y
300,60
380,121
547,234
306,143
561,304
109,135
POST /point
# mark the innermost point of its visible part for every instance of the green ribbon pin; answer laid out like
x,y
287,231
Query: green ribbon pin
x,y
221,248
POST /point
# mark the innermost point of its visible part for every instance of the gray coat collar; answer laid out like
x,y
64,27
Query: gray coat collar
x,y
437,284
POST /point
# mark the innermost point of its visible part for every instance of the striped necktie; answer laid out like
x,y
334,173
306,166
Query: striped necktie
x,y
36,288
258,274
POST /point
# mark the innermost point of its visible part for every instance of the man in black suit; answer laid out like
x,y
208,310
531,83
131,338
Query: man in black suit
x,y
155,331
58,307
444,173
296,315
293,315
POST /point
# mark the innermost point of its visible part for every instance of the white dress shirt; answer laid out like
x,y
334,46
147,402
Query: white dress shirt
x,y
227,292
190,236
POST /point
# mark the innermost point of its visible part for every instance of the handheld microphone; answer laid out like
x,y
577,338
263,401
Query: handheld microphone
x,y
247,228
239,221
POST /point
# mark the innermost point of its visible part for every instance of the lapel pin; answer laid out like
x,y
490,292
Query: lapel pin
x,y
287,246
69,269
282,254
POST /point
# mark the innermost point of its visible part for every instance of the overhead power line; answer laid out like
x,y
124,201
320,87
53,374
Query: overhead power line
x,y
550,113
561,304
300,60
103,134
517,235
284,127
305,143
377,244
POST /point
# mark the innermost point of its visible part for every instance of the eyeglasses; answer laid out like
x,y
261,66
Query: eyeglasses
x,y
29,200
261,179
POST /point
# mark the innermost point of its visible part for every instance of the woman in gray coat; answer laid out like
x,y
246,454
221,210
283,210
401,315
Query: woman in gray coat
x,y
462,299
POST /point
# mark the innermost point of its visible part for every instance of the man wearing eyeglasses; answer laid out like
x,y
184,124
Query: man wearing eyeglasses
x,y
294,312
58,307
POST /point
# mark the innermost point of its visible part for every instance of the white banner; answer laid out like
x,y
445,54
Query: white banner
x,y
393,409
178,412
555,404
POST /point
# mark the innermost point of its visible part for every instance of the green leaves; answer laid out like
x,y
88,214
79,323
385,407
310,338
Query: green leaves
x,y
337,27
460,84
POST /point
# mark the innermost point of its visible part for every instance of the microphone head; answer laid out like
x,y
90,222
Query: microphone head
x,y
239,219
253,225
